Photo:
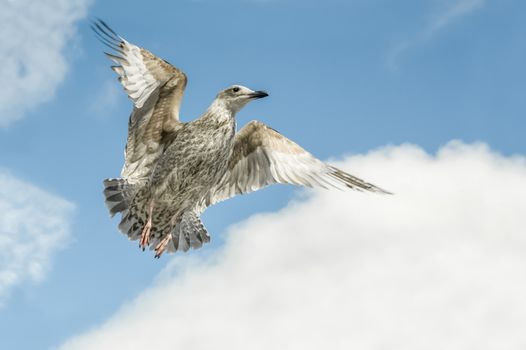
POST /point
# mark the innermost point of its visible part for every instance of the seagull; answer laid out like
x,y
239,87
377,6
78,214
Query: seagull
x,y
174,170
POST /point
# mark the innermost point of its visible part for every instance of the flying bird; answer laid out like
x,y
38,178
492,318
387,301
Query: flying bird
x,y
174,170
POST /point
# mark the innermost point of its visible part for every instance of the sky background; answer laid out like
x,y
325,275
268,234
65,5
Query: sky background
x,y
382,87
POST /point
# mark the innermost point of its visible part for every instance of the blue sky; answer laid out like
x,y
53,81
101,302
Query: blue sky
x,y
344,78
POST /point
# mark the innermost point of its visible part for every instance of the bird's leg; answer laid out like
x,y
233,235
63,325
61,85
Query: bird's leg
x,y
145,234
159,249
161,246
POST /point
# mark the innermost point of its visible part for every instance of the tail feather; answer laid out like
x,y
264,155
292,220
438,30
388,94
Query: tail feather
x,y
132,225
134,217
189,233
118,194
131,201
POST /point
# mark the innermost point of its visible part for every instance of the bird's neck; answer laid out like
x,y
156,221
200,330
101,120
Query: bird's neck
x,y
220,111
219,116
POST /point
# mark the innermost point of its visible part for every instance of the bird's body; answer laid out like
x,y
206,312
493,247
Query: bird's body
x,y
180,181
174,170
197,157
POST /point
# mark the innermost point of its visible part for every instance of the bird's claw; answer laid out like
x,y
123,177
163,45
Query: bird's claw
x,y
159,249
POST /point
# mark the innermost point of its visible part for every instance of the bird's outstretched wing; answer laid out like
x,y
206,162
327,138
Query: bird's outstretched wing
x,y
156,89
262,156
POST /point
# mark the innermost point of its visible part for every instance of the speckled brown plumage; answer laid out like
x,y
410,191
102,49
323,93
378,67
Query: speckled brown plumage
x,y
174,170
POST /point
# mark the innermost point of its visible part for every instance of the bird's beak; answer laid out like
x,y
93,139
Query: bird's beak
x,y
258,94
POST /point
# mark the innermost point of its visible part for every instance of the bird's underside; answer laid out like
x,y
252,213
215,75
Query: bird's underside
x,y
174,170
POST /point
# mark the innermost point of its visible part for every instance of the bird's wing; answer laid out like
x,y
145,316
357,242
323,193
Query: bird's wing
x,y
262,156
156,89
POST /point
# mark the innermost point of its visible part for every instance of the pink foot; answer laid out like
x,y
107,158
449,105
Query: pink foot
x,y
145,234
159,249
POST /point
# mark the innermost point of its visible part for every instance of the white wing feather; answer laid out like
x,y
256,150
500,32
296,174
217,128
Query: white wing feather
x,y
262,157
134,76
156,89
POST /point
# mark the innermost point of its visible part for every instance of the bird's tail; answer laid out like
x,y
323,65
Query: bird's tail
x,y
118,195
132,202
135,214
188,232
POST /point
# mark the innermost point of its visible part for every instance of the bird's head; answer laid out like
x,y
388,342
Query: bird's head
x,y
236,97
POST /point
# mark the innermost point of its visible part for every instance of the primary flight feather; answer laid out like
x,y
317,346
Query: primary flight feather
x,y
173,170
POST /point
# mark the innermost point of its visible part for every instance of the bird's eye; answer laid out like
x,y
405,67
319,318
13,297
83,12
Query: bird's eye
x,y
236,89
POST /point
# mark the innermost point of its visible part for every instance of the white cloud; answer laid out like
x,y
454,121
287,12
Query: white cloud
x,y
451,11
32,62
33,225
440,265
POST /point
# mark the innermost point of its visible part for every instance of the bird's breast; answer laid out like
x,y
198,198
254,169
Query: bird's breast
x,y
196,161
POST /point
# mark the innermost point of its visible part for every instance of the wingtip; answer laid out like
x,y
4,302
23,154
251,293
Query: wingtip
x,y
105,25
105,34
382,191
94,20
378,190
356,183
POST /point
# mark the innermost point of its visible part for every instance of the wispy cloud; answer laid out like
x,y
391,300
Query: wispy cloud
x,y
33,225
451,11
32,62
439,265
